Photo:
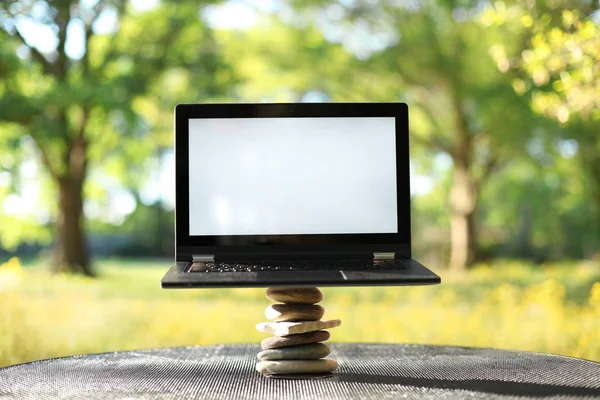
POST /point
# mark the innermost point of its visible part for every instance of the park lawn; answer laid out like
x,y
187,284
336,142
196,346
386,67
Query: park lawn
x,y
510,305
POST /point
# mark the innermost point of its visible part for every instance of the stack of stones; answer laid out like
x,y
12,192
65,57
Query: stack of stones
x,y
297,348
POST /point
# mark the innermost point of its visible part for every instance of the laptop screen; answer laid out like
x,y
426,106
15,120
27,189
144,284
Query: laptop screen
x,y
292,176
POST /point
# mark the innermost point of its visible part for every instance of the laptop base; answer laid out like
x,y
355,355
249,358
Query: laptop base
x,y
412,274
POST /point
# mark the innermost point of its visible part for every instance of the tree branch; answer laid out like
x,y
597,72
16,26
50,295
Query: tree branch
x,y
464,138
84,120
27,122
434,143
63,16
43,154
113,50
89,32
46,160
491,166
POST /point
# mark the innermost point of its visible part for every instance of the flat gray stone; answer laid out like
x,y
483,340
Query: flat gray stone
x,y
292,328
312,351
309,295
297,377
294,312
296,367
276,342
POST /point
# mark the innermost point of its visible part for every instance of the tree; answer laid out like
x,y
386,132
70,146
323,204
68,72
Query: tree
x,y
79,109
435,56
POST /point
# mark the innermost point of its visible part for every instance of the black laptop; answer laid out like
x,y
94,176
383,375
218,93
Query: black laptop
x,y
309,194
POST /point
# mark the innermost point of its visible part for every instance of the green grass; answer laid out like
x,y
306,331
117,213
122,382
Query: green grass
x,y
555,309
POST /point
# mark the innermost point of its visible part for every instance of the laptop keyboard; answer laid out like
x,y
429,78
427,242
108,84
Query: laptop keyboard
x,y
320,265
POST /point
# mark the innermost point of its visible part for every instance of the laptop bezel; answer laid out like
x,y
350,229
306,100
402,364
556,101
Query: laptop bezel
x,y
334,244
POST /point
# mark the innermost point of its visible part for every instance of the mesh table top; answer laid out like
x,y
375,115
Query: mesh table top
x,y
367,371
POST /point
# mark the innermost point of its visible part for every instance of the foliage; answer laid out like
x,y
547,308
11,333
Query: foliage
x,y
555,309
277,62
569,57
560,62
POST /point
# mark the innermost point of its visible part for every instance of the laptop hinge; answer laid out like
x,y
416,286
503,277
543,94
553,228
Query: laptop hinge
x,y
384,256
203,257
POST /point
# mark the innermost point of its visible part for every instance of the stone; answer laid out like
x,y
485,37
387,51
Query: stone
x,y
276,342
299,377
294,312
292,328
310,295
296,366
312,351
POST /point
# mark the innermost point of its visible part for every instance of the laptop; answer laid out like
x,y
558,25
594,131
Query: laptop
x,y
292,195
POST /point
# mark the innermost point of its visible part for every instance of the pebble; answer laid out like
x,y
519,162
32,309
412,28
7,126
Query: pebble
x,y
294,312
295,295
276,342
312,351
296,367
292,328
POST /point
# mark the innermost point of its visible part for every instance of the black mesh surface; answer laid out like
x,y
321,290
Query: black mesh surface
x,y
367,371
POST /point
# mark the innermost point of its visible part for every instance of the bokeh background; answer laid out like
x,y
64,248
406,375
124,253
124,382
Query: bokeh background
x,y
505,164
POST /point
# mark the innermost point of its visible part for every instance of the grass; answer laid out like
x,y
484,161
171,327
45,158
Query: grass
x,y
510,305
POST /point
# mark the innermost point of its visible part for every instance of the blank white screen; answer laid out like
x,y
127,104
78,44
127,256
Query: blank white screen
x,y
278,176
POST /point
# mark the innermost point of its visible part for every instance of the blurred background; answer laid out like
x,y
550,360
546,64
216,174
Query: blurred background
x,y
505,163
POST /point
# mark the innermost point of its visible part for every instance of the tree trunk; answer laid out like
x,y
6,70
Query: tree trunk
x,y
524,245
463,204
71,248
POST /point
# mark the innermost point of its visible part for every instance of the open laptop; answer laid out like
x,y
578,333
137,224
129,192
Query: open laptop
x,y
309,194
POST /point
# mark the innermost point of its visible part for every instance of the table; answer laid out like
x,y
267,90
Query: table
x,y
367,371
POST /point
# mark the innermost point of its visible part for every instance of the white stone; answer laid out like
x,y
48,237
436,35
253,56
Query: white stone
x,y
293,328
